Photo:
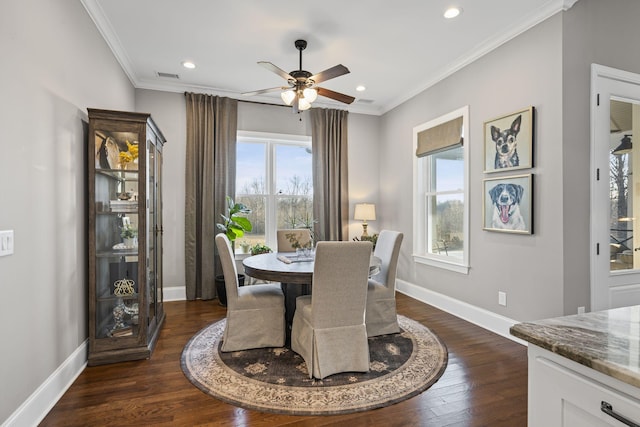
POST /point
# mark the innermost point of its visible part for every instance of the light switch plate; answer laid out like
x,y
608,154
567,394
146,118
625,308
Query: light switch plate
x,y
6,242
502,298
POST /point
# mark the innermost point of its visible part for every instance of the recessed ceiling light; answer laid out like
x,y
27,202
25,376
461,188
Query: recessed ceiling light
x,y
188,64
361,88
452,12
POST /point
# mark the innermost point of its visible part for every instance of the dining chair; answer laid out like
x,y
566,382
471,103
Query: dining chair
x,y
328,328
288,238
255,314
381,317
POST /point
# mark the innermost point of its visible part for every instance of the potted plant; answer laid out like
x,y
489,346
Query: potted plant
x,y
259,248
373,239
245,246
129,235
234,225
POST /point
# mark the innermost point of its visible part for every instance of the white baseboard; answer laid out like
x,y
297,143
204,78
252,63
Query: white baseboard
x,y
38,405
476,315
175,293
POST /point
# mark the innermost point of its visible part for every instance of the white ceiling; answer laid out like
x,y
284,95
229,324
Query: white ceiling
x,y
394,48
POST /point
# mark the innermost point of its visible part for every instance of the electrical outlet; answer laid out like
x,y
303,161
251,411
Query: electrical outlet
x,y
6,242
580,310
502,298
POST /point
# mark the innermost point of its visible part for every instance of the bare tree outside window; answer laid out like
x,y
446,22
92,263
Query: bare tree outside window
x,y
282,200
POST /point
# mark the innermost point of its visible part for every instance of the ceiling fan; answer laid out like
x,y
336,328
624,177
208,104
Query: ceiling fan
x,y
302,87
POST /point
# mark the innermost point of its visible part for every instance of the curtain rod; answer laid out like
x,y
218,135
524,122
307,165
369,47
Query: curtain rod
x,y
248,102
263,103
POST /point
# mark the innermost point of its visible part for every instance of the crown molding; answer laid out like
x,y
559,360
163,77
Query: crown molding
x,y
105,28
546,11
109,35
179,87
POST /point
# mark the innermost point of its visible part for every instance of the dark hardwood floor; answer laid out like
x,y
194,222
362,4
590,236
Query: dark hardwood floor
x,y
485,383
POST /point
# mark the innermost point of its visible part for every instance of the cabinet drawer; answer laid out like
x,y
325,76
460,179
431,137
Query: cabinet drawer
x,y
560,396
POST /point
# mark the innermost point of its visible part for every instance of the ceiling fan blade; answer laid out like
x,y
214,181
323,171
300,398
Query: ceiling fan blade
x,y
272,89
330,73
279,71
335,95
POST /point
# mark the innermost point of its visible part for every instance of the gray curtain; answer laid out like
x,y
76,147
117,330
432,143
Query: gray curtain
x,y
330,173
212,123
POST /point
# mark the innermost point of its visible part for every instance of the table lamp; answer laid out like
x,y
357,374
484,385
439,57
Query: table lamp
x,y
365,212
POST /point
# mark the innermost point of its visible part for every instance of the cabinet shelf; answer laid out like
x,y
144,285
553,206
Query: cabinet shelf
x,y
116,253
119,174
120,197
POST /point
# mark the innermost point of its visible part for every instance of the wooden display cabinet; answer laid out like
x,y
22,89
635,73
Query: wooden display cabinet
x,y
125,236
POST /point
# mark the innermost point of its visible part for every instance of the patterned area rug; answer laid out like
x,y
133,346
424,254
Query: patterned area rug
x,y
276,379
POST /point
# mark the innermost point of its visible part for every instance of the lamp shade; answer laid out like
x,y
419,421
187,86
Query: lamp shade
x,y
287,96
365,212
303,104
310,94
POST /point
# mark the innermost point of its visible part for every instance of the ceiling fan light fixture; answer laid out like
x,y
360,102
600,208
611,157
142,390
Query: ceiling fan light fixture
x,y
288,96
303,104
310,94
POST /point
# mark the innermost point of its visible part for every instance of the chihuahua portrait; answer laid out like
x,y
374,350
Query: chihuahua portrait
x,y
506,145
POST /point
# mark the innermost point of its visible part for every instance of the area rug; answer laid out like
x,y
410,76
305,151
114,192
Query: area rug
x,y
276,379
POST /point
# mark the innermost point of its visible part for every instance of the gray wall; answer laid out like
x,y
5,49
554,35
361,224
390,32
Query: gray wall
x,y
64,67
525,71
55,65
605,33
546,274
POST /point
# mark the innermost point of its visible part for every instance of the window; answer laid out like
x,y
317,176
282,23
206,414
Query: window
x,y
441,209
274,178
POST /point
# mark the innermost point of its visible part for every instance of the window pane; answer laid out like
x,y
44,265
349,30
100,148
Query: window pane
x,y
274,179
623,205
448,170
250,168
257,217
445,228
295,212
293,170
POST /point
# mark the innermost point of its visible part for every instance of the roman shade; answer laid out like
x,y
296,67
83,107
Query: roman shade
x,y
438,138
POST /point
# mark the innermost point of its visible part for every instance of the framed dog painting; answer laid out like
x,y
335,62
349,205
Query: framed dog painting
x,y
508,142
508,204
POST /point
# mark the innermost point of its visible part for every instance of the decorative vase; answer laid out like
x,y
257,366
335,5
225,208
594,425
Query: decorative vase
x,y
131,242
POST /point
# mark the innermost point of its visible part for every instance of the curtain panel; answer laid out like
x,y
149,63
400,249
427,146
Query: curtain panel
x,y
330,173
212,124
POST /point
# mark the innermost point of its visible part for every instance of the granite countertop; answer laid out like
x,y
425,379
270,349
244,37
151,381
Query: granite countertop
x,y
607,341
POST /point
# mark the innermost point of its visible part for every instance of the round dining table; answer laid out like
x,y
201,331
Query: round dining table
x,y
269,267
287,267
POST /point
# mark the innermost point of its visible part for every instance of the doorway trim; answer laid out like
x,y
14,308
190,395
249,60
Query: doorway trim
x,y
600,290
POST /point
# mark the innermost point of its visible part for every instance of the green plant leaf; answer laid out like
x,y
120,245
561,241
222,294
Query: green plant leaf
x,y
244,223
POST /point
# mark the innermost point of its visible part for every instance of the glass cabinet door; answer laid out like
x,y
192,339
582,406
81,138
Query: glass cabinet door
x,y
151,231
117,287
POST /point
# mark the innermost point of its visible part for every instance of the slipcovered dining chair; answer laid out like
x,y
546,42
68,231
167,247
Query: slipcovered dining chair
x,y
287,238
328,326
381,317
255,314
